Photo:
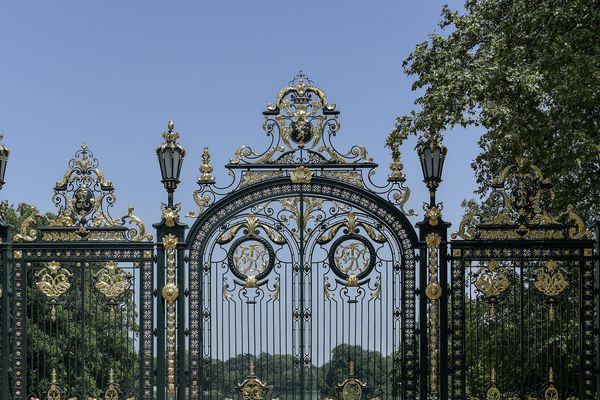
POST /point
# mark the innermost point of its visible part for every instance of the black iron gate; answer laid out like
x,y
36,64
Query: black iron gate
x,y
523,303
302,277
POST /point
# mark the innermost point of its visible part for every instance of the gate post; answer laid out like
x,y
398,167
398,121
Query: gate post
x,y
433,305
5,296
597,305
170,285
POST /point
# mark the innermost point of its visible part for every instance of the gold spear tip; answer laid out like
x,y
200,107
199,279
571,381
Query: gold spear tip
x,y
171,125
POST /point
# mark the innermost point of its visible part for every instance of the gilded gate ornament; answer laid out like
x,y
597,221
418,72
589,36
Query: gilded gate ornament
x,y
352,388
433,291
492,282
493,393
551,282
28,232
84,198
54,392
53,281
112,282
170,293
252,388
525,197
301,125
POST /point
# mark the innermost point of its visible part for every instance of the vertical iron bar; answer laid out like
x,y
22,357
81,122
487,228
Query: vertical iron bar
x,y
301,292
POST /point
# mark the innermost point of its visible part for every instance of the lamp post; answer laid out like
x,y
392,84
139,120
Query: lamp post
x,y
4,153
432,154
170,158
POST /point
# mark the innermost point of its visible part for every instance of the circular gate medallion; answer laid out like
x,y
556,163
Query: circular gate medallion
x,y
352,256
251,257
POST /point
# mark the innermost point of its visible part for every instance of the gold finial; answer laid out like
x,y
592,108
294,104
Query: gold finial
x,y
351,368
251,368
53,374
84,147
170,126
396,174
493,379
551,375
206,169
111,376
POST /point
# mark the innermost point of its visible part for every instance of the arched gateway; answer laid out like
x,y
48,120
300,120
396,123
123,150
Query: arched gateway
x,y
301,273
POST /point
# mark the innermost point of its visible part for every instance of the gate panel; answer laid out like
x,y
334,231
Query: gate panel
x,y
83,306
522,297
302,272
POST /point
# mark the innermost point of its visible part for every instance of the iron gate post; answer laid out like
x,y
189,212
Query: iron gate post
x,y
433,237
597,306
170,226
5,296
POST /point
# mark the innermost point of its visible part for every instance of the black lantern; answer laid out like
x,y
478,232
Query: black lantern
x,y
4,153
432,154
170,158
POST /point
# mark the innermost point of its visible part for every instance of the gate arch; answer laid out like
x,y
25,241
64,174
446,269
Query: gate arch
x,y
301,274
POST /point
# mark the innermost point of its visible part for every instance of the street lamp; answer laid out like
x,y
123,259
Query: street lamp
x,y
4,153
170,158
432,154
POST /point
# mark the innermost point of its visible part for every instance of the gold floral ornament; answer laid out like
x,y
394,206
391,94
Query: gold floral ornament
x,y
526,197
206,169
84,197
111,392
112,282
170,293
551,392
551,282
352,388
493,393
54,392
301,175
492,282
252,388
53,281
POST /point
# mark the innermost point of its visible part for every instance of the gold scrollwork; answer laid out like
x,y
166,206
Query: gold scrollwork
x,y
112,282
352,223
252,388
352,388
551,282
137,233
53,281
301,175
28,232
170,293
492,282
525,196
251,223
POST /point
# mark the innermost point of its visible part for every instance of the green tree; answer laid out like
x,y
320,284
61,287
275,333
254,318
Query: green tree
x,y
528,71
84,341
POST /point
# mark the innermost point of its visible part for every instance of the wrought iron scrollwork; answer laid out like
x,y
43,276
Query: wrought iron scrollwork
x,y
525,196
53,281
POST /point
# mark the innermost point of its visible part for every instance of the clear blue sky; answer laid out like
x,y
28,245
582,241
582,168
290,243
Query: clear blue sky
x,y
111,74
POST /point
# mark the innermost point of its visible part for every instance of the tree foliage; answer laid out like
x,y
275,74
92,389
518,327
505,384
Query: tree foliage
x,y
529,73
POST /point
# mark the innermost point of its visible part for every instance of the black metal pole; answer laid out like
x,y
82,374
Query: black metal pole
x,y
5,310
597,279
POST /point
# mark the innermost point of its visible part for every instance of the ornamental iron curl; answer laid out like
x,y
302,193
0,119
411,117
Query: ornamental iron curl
x,y
524,197
301,124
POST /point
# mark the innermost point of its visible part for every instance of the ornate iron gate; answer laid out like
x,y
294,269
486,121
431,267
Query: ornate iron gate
x,y
523,297
78,332
301,279
301,275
